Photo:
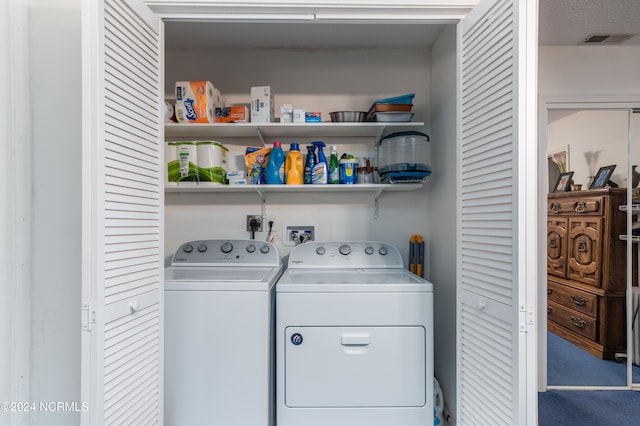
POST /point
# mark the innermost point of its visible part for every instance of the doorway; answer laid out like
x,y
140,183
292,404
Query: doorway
x,y
580,137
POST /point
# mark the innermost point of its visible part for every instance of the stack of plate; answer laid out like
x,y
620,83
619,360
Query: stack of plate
x,y
396,109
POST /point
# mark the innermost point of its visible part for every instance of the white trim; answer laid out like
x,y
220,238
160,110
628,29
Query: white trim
x,y
547,103
527,54
20,240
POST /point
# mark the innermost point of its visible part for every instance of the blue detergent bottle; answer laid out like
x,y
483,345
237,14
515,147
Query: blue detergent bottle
x,y
310,164
275,166
320,173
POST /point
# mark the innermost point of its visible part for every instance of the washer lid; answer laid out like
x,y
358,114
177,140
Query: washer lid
x,y
351,281
219,278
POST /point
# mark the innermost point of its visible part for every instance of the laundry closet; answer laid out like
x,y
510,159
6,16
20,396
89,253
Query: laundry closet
x,y
322,57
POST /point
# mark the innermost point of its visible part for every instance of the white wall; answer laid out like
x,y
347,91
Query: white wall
x,y
318,80
596,138
6,214
589,70
442,210
55,95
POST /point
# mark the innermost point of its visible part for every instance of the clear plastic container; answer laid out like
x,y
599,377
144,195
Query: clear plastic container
x,y
405,148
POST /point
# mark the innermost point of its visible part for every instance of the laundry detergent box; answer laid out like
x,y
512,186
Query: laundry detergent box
x,y
232,114
195,101
262,105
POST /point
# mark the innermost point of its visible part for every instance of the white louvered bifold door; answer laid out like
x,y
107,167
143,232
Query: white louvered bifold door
x,y
122,363
491,368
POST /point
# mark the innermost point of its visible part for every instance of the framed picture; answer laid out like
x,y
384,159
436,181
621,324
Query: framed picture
x,y
602,177
564,182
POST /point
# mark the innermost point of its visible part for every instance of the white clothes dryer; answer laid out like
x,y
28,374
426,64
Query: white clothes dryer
x,y
219,333
354,338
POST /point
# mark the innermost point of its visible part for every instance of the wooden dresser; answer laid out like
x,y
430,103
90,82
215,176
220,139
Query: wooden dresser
x,y
586,269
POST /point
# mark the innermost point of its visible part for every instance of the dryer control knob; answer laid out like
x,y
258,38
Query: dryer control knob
x,y
202,248
320,250
187,248
383,251
251,248
226,247
344,249
264,249
368,250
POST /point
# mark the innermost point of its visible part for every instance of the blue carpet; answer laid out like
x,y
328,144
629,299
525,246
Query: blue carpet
x,y
568,365
588,408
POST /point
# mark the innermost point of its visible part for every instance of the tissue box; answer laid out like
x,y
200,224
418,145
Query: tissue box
x,y
232,114
195,101
262,107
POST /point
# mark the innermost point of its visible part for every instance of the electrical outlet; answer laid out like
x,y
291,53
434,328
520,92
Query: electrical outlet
x,y
254,223
294,235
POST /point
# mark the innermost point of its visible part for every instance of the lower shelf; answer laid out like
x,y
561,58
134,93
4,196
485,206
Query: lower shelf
x,y
263,189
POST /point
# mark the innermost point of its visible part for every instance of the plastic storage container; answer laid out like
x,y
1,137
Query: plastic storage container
x,y
404,157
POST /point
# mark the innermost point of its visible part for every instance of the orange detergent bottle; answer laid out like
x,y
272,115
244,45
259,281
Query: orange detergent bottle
x,y
294,166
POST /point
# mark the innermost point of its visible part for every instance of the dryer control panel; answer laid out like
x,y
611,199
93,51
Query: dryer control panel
x,y
347,254
226,252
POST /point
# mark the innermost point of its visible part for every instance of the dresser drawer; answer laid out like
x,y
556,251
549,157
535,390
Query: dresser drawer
x,y
572,320
575,299
580,205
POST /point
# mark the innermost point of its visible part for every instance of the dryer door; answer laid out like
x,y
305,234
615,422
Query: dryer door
x,y
355,366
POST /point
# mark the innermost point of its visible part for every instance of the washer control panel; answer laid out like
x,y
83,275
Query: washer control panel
x,y
226,252
358,254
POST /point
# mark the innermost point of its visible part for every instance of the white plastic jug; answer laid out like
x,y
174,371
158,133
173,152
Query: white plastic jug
x,y
438,403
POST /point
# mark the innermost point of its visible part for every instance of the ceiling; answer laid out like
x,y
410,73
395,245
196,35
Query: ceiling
x,y
561,23
570,22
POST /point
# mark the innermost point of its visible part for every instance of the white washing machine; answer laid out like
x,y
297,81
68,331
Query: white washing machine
x,y
219,333
354,338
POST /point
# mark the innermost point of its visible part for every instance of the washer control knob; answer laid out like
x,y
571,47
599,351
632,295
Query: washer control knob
x,y
226,247
202,248
188,248
383,251
368,250
251,248
264,249
344,249
320,250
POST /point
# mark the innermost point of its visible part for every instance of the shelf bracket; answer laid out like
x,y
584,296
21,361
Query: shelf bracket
x,y
376,203
261,194
260,135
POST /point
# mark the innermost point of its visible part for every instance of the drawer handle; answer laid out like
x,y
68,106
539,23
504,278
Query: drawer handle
x,y
580,301
581,207
578,322
582,247
553,243
555,207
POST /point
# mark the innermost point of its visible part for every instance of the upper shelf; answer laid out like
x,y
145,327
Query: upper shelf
x,y
280,130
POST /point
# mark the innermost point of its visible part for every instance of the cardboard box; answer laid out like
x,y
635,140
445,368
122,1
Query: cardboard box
x,y
232,114
286,113
313,117
298,116
262,105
